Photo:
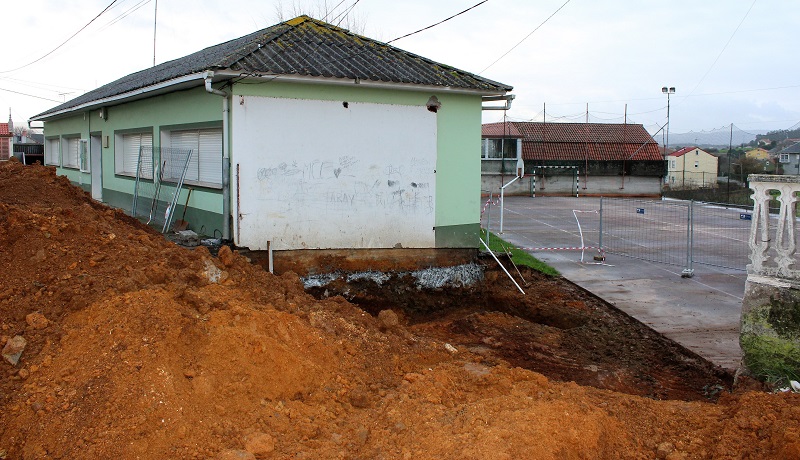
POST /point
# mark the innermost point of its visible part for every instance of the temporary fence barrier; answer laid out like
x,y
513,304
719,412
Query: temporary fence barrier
x,y
681,233
160,174
686,234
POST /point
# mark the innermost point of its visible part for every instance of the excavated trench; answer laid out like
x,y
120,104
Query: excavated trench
x,y
556,328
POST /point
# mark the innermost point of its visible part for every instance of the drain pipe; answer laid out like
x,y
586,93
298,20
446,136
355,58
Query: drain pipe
x,y
226,163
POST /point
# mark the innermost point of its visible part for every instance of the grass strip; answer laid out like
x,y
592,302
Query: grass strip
x,y
520,257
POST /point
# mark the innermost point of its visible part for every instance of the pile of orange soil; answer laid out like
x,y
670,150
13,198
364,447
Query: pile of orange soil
x,y
139,349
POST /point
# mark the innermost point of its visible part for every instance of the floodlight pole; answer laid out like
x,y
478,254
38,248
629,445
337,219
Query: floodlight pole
x,y
667,91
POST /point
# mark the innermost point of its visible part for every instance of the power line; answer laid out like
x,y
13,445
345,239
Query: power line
x,y
29,95
440,22
723,49
526,37
64,42
125,14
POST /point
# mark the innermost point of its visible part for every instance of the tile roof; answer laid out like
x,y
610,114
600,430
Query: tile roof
x,y
682,151
500,130
586,141
794,148
306,47
4,130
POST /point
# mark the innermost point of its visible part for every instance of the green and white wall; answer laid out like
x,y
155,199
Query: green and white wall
x,y
457,125
457,146
189,109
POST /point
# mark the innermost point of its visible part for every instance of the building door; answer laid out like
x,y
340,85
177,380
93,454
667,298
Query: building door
x,y
96,158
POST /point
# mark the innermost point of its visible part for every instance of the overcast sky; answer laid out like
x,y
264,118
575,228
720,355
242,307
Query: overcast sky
x,y
729,60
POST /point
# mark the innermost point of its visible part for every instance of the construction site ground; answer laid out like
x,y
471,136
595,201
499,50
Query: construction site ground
x,y
137,348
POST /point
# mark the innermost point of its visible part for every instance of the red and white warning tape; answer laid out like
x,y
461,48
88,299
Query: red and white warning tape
x,y
489,202
566,248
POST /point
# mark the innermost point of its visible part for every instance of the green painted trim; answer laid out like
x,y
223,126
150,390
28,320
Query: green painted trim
x,y
84,187
458,236
201,221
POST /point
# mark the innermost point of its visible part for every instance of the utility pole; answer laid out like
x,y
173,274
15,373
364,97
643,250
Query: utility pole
x,y
730,146
667,91
155,23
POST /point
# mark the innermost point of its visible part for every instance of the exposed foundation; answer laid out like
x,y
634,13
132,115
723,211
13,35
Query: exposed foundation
x,y
317,261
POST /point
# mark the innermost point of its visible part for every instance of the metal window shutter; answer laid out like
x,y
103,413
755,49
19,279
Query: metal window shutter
x,y
187,140
71,158
52,152
130,152
209,153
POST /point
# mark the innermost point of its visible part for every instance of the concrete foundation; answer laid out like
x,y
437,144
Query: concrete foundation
x,y
770,329
318,261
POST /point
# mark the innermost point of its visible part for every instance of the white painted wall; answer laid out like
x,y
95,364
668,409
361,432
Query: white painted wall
x,y
312,174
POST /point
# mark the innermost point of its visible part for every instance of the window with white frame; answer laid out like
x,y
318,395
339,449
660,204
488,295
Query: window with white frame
x,y
205,164
69,158
784,158
52,155
673,164
499,148
126,153
696,164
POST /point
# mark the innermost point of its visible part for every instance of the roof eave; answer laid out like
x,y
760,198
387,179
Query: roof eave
x,y
365,83
186,81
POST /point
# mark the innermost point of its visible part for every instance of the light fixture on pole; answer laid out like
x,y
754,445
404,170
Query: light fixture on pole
x,y
667,91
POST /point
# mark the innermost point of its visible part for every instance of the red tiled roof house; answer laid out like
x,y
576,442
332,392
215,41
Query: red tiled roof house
x,y
6,141
690,168
598,159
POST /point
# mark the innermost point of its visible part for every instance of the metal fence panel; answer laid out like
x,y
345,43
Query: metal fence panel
x,y
159,179
656,231
720,235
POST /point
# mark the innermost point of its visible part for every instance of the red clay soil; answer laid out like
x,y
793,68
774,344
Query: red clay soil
x,y
139,349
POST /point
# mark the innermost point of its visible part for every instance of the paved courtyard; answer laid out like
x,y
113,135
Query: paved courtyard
x,y
702,313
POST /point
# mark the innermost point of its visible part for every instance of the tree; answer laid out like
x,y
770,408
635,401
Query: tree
x,y
339,15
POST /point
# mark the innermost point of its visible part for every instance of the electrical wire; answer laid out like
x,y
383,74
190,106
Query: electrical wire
x,y
29,95
440,22
125,14
325,18
526,37
64,42
723,49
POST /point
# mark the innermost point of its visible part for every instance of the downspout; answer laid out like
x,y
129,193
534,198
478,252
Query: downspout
x,y
226,163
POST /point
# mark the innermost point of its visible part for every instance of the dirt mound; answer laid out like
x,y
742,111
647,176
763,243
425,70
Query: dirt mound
x,y
136,348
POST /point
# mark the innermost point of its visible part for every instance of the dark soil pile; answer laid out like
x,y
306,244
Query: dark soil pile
x,y
137,348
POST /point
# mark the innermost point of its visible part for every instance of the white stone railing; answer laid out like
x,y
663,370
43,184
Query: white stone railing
x,y
773,243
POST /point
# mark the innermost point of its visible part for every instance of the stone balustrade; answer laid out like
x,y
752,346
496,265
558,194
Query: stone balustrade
x,y
773,244
770,323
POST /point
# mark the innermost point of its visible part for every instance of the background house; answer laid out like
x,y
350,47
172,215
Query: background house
x,y
572,158
758,153
306,136
691,167
6,139
789,158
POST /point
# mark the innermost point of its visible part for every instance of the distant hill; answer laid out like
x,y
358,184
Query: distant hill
x,y
721,137
715,138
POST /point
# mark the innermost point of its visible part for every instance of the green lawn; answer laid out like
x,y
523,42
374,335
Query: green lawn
x,y
520,257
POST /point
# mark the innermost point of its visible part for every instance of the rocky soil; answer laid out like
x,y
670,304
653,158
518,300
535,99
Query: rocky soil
x,y
130,347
